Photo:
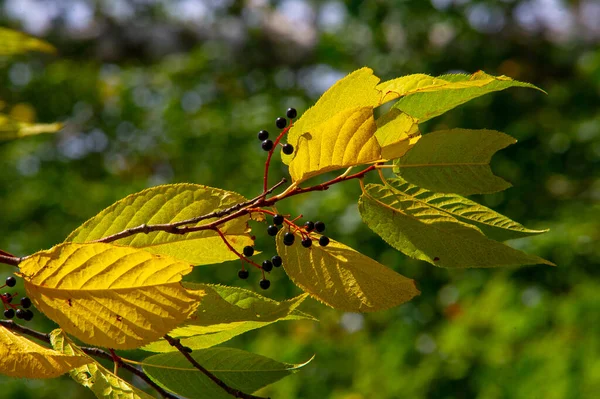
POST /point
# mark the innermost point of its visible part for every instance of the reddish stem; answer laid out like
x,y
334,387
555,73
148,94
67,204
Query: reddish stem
x,y
268,161
232,249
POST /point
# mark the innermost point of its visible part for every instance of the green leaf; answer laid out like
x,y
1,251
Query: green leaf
x,y
425,106
13,129
347,139
226,312
168,204
455,161
93,375
342,278
238,369
492,224
423,232
13,42
396,133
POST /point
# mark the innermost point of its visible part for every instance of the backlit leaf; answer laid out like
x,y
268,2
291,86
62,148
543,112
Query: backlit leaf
x,y
342,278
238,369
347,139
423,232
455,161
13,42
107,295
168,204
13,129
396,133
492,224
20,357
427,105
93,375
226,312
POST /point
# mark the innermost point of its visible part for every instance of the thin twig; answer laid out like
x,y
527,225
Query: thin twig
x,y
10,260
233,392
97,352
176,228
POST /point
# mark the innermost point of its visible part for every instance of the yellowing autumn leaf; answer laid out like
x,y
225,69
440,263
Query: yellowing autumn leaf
x,y
13,42
342,278
93,375
13,129
347,139
20,357
396,133
170,204
107,295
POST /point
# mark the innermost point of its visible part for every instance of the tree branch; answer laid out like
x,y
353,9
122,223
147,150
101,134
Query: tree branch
x,y
185,352
10,260
97,352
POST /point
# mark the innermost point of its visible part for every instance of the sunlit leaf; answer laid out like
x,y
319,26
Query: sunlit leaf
x,y
20,357
93,375
396,133
492,224
342,278
168,204
238,369
13,42
427,105
107,295
347,139
13,129
226,312
423,232
455,161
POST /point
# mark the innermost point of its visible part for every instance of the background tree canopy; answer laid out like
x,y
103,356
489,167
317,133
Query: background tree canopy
x,y
163,91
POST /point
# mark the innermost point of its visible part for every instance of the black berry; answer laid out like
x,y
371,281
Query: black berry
x,y
288,238
267,145
291,113
307,242
7,297
309,226
243,274
272,230
276,260
28,315
288,149
248,250
265,284
320,227
263,135
21,313
280,122
278,220
323,241
25,302
9,313
267,265
11,281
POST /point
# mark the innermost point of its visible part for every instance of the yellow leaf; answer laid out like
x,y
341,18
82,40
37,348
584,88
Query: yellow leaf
x,y
169,204
396,133
102,382
107,295
342,278
20,357
13,42
345,140
13,129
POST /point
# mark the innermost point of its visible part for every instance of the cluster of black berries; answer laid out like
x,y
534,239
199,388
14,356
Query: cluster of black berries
x,y
319,227
24,312
288,239
281,123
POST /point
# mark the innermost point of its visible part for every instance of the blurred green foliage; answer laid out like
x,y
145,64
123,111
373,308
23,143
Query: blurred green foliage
x,y
160,92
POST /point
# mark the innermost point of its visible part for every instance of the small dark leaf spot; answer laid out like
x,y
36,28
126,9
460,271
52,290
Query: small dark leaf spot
x,y
436,259
69,302
119,318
